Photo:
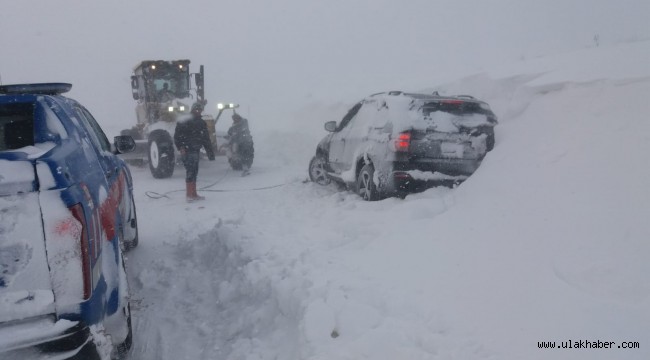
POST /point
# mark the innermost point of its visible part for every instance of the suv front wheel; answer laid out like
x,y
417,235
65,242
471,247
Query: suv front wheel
x,y
366,187
317,172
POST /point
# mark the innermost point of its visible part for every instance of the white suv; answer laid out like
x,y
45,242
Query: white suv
x,y
395,143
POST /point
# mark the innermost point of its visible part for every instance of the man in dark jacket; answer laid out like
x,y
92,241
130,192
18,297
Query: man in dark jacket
x,y
189,137
241,143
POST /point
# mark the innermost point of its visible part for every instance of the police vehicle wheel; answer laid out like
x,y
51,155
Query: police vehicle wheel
x,y
122,349
133,224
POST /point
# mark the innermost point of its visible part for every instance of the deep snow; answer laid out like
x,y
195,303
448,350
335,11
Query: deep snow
x,y
547,241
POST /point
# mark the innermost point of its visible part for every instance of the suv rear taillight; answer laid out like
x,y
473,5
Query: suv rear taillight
x,y
452,102
78,213
403,142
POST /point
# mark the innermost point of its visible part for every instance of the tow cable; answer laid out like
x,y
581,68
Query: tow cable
x,y
155,195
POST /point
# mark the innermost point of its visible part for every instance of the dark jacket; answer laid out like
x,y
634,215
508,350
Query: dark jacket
x,y
192,134
239,132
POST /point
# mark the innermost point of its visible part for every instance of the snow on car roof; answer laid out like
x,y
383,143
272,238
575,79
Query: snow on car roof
x,y
403,111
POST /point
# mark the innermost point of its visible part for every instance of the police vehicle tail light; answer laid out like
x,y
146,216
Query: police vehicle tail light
x,y
78,213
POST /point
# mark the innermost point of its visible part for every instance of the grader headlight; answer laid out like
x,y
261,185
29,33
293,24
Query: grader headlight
x,y
222,106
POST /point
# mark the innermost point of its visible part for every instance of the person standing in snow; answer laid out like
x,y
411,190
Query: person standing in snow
x,y
241,142
189,137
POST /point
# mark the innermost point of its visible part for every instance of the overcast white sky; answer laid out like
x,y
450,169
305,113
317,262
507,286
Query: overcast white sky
x,y
272,56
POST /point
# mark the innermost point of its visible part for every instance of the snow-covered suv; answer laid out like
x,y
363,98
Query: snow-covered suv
x,y
66,214
390,144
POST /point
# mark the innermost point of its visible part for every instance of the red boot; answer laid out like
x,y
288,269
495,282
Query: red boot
x,y
190,192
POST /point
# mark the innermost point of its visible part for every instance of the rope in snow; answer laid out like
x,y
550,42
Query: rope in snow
x,y
155,195
254,189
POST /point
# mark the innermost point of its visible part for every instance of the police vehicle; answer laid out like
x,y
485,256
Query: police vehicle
x,y
66,216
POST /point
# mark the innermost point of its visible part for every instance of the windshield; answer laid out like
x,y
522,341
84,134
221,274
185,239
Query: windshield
x,y
173,79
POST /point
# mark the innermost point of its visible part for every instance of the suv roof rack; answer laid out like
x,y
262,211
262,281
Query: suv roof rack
x,y
466,96
39,88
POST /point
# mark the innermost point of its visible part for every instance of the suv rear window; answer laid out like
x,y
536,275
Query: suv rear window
x,y
16,125
456,107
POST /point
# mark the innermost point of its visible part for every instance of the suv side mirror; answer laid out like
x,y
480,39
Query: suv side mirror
x,y
330,126
124,144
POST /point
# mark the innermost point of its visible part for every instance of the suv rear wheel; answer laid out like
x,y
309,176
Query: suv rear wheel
x,y
121,350
366,187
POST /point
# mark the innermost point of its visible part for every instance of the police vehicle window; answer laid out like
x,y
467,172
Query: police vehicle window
x,y
16,125
96,133
106,145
